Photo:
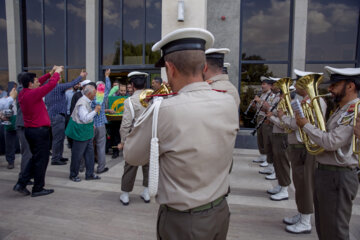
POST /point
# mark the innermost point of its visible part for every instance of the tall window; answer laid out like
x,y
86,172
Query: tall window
x,y
265,46
54,34
4,74
332,34
129,29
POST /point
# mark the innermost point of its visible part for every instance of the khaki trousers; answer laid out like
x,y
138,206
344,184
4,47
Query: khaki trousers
x,y
303,166
209,224
281,161
264,134
129,176
334,194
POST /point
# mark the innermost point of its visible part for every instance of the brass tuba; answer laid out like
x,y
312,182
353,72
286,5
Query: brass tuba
x,y
355,140
146,94
312,110
285,103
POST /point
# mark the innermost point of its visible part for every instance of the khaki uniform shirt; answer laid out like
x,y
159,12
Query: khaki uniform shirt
x,y
269,99
221,82
128,121
290,122
338,136
196,131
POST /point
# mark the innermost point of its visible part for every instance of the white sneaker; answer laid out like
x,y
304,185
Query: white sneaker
x,y
145,195
124,198
268,170
264,164
302,226
260,159
282,195
274,190
271,176
292,220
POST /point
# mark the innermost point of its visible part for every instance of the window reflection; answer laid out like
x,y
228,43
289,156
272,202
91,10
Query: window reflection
x,y
3,39
332,23
54,32
76,32
265,30
33,32
153,30
133,29
73,73
111,32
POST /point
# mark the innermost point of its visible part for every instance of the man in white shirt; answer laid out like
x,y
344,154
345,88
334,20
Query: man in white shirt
x,y
81,130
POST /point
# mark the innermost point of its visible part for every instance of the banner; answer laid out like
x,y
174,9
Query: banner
x,y
116,103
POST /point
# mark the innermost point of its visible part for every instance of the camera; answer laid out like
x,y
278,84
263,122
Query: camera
x,y
8,113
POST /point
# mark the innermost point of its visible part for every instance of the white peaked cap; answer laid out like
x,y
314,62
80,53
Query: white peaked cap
x,y
302,73
342,71
217,50
135,73
83,83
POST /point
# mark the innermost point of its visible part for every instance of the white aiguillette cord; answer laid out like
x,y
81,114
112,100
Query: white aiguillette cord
x,y
154,145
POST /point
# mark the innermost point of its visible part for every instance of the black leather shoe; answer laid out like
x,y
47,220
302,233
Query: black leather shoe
x,y
10,166
75,179
102,171
22,190
115,155
58,163
93,177
42,192
64,159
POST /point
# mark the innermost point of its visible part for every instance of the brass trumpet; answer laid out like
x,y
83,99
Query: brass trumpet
x,y
147,93
285,103
312,111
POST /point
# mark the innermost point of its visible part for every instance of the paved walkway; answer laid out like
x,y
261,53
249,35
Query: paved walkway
x,y
91,210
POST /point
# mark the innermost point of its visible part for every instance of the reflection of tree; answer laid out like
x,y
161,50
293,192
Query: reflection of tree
x,y
135,50
253,72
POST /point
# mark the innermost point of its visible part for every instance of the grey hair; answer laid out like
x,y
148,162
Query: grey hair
x,y
87,89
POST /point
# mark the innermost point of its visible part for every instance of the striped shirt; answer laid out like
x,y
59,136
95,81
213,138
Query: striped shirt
x,y
56,100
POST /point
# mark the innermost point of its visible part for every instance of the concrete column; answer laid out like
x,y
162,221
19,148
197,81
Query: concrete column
x,y
226,31
195,16
299,37
92,39
13,38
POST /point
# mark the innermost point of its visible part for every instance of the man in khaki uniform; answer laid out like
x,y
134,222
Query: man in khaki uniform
x,y
263,132
303,167
281,160
196,129
336,181
132,110
214,74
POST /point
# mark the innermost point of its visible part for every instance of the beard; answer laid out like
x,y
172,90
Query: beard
x,y
339,96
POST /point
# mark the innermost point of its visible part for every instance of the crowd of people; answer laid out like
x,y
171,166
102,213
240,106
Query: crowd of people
x,y
179,135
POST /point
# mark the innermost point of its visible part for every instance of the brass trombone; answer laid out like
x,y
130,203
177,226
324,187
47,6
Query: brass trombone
x,y
310,84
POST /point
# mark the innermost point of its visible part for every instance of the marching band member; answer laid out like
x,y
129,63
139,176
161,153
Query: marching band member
x,y
191,195
132,110
303,166
281,160
264,131
214,73
336,181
